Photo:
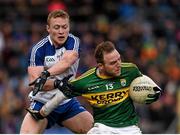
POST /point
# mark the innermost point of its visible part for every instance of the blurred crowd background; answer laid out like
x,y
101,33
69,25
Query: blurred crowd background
x,y
145,32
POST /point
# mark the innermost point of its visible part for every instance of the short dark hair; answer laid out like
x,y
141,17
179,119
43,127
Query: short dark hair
x,y
104,47
57,13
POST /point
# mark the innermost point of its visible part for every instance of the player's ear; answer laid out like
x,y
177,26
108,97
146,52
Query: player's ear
x,y
47,28
100,66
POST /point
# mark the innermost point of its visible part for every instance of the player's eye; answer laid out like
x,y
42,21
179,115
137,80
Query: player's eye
x,y
113,62
56,27
64,26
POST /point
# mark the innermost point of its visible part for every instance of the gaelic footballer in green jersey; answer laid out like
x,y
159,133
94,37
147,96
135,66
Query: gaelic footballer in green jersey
x,y
108,96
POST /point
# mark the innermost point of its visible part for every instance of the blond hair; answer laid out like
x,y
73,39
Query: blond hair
x,y
57,13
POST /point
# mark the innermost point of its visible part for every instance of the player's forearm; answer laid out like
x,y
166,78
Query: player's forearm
x,y
69,58
59,68
53,103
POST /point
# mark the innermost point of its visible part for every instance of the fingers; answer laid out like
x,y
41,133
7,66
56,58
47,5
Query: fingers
x,y
157,94
35,91
148,101
69,76
65,80
39,82
38,85
157,89
35,81
32,83
152,98
151,95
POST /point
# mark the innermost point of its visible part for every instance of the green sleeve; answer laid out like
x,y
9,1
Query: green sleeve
x,y
77,89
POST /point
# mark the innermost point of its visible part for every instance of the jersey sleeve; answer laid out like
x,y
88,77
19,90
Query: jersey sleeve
x,y
136,72
78,88
73,43
36,56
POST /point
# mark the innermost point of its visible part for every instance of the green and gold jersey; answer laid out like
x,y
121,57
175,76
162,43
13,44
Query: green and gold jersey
x,y
109,96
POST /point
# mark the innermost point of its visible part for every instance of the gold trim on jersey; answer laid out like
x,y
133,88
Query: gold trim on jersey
x,y
107,98
124,64
102,76
89,72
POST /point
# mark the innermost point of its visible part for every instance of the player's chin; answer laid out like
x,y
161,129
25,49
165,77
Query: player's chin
x,y
116,74
60,42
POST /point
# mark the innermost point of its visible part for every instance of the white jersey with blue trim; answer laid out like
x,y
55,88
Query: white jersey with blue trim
x,y
45,54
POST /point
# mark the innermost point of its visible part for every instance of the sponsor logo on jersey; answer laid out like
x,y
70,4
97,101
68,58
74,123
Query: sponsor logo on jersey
x,y
123,82
107,98
49,59
93,87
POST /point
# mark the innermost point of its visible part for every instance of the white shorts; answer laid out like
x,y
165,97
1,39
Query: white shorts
x,y
103,129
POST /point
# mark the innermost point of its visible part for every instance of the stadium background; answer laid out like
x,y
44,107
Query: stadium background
x,y
146,32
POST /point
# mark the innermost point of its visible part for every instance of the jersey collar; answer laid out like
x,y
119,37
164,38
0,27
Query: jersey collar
x,y
50,40
53,45
102,76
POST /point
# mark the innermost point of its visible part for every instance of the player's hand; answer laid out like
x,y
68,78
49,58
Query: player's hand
x,y
154,97
64,86
39,82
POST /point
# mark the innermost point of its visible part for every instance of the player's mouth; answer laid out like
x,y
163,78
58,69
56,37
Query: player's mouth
x,y
61,38
117,71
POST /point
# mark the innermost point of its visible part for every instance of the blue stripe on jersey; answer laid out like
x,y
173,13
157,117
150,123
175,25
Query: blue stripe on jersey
x,y
36,55
44,48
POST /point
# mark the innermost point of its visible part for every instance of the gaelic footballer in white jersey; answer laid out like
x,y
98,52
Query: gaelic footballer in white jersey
x,y
45,54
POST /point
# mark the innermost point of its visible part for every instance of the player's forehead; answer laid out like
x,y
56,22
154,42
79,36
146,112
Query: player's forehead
x,y
111,56
59,21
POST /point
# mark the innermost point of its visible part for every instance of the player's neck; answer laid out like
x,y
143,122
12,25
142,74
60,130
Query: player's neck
x,y
101,74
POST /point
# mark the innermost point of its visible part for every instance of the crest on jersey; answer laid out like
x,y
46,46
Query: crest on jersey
x,y
123,82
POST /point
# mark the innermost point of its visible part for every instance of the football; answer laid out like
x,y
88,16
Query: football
x,y
140,87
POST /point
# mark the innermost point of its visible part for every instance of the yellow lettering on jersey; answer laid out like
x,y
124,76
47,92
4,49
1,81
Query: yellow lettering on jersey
x,y
107,98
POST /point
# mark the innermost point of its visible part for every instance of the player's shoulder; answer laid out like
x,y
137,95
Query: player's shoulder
x,y
72,42
130,68
86,75
73,37
42,42
128,65
40,46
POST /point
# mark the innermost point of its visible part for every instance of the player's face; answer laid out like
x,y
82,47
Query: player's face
x,y
58,29
112,64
